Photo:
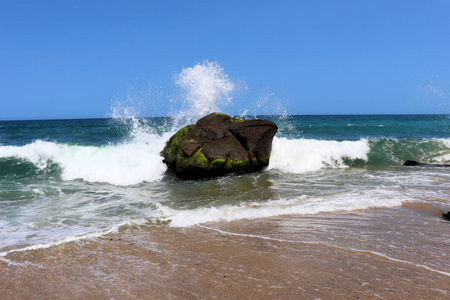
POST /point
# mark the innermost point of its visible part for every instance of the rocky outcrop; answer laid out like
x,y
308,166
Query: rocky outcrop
x,y
219,144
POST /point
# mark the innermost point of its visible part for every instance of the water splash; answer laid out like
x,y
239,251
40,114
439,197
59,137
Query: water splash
x,y
205,89
434,98
127,116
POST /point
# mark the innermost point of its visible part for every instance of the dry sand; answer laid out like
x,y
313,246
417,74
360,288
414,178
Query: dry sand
x,y
200,263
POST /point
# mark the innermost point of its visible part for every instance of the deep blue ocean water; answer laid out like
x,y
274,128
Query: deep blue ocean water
x,y
66,179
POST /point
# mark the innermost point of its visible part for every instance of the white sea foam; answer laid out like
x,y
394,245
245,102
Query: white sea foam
x,y
300,205
373,253
304,155
77,238
139,160
444,156
122,164
446,142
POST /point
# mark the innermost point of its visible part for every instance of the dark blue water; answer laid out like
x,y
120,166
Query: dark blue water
x,y
354,127
323,127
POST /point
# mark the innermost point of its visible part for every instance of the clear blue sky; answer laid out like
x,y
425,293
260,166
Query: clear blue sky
x,y
70,59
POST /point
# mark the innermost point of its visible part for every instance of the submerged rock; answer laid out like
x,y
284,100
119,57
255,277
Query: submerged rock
x,y
416,163
412,163
446,216
219,144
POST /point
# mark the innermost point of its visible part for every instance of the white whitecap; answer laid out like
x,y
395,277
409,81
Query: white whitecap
x,y
300,205
122,164
304,155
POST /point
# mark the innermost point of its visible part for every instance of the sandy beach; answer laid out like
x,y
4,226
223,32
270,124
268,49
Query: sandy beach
x,y
259,259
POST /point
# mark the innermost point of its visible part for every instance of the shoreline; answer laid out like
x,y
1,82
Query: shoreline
x,y
286,257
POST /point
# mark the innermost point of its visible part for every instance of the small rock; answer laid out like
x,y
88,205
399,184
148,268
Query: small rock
x,y
446,216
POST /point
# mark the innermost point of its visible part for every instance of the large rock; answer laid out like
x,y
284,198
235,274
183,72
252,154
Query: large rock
x,y
219,144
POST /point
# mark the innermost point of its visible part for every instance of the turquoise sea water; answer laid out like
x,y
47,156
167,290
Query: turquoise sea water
x,y
67,179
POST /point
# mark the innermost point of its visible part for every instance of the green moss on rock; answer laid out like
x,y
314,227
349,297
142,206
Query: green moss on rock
x,y
198,160
234,120
217,164
264,161
233,165
173,145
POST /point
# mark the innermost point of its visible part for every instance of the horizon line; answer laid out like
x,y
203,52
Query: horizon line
x,y
140,117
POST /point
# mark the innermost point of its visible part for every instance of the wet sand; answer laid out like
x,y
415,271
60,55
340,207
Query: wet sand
x,y
259,259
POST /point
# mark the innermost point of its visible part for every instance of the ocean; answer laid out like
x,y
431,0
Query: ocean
x,y
65,180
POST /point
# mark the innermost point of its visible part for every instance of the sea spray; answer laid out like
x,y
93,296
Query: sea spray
x,y
205,89
136,157
265,104
131,157
126,116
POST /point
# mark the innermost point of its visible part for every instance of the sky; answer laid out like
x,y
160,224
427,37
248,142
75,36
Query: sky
x,y
75,59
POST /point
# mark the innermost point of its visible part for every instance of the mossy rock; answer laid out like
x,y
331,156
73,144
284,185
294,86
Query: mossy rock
x,y
219,144
173,146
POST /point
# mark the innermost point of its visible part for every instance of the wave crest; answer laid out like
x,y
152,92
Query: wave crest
x,y
305,155
123,164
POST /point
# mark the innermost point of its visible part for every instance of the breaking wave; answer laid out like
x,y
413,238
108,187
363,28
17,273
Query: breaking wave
x,y
139,160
